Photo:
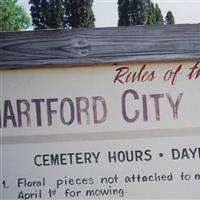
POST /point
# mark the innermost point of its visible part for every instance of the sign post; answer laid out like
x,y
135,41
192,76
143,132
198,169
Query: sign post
x,y
119,130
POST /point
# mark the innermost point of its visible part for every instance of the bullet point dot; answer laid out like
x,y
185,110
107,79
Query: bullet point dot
x,y
161,154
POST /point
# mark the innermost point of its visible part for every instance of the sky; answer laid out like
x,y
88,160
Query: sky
x,y
106,11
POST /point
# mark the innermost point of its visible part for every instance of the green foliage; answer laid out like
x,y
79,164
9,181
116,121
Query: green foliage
x,y
55,14
12,16
131,12
158,16
47,14
151,16
169,19
138,12
38,8
154,15
123,12
78,13
62,13
147,4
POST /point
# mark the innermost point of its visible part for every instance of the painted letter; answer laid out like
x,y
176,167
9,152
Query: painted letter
x,y
175,105
82,110
8,114
71,113
156,98
38,110
25,112
104,109
124,108
50,111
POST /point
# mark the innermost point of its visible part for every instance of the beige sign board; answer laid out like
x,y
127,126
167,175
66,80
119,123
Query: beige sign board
x,y
127,131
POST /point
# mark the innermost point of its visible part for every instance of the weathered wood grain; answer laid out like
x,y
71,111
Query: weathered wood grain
x,y
99,45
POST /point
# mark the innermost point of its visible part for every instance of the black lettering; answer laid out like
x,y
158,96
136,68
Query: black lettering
x,y
24,112
36,162
63,111
38,110
124,107
50,111
8,114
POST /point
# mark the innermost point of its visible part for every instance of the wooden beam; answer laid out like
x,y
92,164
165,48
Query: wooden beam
x,y
99,45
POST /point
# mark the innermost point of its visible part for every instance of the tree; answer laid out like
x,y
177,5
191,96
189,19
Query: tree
x,y
38,13
158,15
123,13
138,12
147,4
55,14
151,14
78,13
47,14
169,19
131,12
12,16
62,13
